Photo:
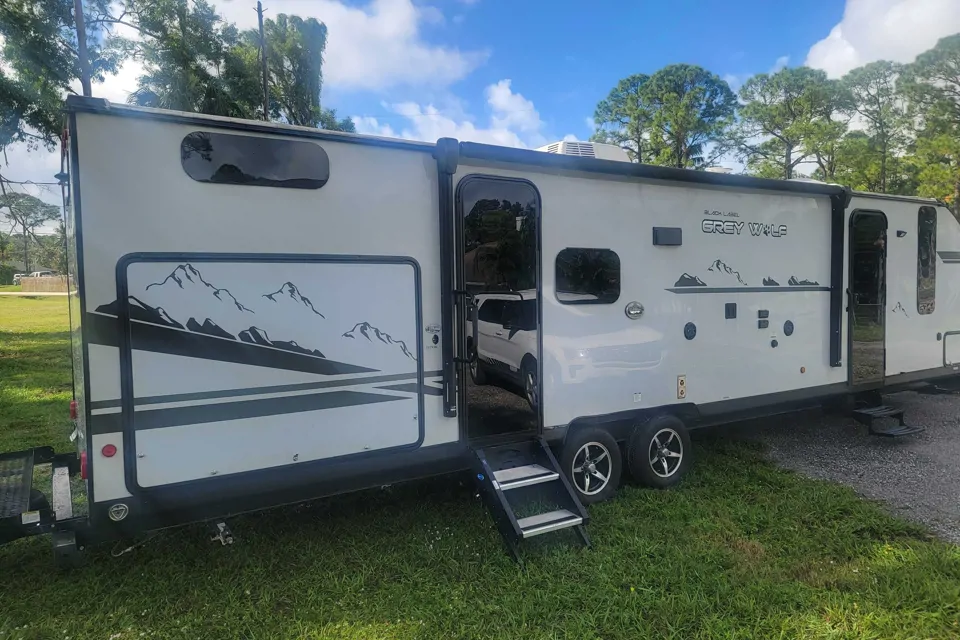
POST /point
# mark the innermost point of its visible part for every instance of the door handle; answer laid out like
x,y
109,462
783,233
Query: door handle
x,y
499,333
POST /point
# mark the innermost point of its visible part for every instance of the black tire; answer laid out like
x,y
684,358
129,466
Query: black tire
x,y
528,376
588,445
653,450
477,373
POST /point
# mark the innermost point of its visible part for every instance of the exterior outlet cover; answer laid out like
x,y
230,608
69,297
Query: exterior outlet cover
x,y
681,387
637,397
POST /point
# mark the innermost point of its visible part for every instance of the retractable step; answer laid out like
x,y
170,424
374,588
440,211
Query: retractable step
x,y
526,494
868,415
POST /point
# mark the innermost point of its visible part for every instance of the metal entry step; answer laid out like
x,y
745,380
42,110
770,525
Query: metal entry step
x,y
868,415
523,476
547,522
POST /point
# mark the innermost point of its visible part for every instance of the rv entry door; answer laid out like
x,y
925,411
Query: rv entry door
x,y
868,295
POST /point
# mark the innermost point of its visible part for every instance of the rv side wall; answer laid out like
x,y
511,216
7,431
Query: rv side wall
x,y
268,326
766,254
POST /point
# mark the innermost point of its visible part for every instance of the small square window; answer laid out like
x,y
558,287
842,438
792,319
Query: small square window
x,y
588,276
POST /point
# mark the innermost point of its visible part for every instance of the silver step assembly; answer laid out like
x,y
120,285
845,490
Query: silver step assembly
x,y
523,476
546,522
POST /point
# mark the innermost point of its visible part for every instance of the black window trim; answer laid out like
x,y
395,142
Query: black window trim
x,y
928,210
557,292
319,165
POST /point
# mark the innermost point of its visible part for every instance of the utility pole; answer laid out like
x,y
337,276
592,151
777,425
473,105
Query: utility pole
x,y
82,48
263,62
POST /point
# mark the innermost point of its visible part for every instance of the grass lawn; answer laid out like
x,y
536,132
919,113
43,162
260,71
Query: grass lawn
x,y
9,287
740,550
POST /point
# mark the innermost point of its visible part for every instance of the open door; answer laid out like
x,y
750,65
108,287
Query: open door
x,y
868,296
497,242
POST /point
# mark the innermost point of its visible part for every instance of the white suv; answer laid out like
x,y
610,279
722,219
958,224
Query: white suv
x,y
507,340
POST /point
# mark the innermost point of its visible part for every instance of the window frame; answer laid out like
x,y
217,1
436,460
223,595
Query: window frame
x,y
317,168
924,308
557,293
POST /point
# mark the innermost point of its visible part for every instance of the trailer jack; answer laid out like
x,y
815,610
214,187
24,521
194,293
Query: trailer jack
x,y
222,533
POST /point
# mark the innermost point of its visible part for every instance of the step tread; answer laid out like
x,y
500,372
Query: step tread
x,y
879,412
523,476
897,432
547,522
16,480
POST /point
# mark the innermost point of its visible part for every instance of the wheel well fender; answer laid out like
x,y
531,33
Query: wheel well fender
x,y
620,425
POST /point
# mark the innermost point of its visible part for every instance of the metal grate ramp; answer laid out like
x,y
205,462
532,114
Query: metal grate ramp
x,y
16,480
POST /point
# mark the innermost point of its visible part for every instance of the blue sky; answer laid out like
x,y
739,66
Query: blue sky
x,y
527,72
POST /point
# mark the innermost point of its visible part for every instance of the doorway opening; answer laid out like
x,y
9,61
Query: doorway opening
x,y
868,296
499,239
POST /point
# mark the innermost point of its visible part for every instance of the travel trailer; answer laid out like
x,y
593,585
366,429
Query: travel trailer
x,y
267,314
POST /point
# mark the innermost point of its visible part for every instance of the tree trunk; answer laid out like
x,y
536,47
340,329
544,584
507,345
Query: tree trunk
x,y
956,198
26,251
82,48
788,163
883,168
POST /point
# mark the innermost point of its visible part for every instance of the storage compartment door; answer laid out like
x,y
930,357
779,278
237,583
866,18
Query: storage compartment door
x,y
257,362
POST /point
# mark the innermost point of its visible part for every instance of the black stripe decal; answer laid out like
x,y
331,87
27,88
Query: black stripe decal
x,y
103,329
949,256
413,388
253,391
745,289
222,412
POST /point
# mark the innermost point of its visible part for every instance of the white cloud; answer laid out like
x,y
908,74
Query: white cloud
x,y
780,64
376,46
872,30
513,121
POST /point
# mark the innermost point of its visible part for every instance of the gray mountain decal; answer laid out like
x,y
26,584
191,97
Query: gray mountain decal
x,y
793,282
770,282
370,332
256,335
208,327
188,273
687,280
289,290
719,266
141,311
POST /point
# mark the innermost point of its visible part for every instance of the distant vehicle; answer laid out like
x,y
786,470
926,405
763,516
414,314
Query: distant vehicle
x,y
507,340
17,277
43,274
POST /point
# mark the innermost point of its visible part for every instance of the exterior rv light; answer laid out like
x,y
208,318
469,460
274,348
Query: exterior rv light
x,y
63,178
803,369
73,409
83,465
109,450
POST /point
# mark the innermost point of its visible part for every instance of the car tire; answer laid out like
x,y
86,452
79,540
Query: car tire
x,y
477,372
528,379
659,452
592,453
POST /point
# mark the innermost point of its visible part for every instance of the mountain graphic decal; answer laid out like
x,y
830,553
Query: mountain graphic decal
x,y
793,282
370,332
186,275
719,266
770,282
687,280
208,327
141,311
289,290
258,336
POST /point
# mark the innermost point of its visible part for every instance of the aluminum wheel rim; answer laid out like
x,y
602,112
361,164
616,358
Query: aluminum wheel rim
x,y
530,385
474,368
592,467
665,452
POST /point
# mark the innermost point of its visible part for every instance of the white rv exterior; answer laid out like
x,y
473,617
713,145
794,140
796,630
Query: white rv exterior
x,y
243,340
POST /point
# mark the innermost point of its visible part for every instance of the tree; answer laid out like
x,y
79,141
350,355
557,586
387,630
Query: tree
x,y
932,84
874,96
625,118
777,118
691,107
41,63
26,212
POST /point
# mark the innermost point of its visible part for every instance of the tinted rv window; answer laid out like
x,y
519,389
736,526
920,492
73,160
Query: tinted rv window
x,y
926,260
226,158
588,276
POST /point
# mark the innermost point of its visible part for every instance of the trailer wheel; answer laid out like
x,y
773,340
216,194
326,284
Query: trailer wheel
x,y
591,459
531,390
659,452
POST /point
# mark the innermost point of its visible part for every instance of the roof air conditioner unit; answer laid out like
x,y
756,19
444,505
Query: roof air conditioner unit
x,y
597,150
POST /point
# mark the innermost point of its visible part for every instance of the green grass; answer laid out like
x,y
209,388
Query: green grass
x,y
740,550
9,287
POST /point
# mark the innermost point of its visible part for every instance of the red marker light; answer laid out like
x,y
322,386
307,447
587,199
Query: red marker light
x,y
108,451
73,409
83,465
